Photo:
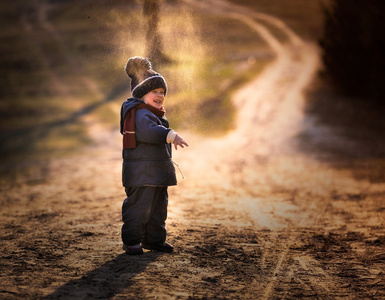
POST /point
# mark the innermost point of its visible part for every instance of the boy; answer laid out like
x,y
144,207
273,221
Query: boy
x,y
147,165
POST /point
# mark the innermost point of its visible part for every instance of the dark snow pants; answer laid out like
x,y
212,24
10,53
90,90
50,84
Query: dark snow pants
x,y
144,215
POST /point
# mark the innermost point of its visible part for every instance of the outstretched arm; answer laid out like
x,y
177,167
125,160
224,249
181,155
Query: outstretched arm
x,y
176,139
179,141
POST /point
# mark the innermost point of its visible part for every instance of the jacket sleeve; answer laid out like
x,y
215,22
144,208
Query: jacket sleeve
x,y
149,129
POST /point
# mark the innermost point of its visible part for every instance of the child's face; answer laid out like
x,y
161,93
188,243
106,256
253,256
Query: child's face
x,y
155,98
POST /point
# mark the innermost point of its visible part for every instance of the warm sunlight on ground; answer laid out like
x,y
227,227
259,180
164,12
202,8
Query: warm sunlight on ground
x,y
257,216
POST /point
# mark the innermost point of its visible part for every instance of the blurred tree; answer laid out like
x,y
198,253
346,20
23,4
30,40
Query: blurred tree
x,y
353,47
154,47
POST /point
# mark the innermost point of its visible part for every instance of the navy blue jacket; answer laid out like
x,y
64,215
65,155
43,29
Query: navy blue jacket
x,y
149,164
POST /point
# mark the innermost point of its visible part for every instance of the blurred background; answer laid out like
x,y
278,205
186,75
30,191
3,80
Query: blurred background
x,y
62,68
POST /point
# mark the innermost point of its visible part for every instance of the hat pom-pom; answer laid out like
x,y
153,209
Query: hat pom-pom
x,y
137,65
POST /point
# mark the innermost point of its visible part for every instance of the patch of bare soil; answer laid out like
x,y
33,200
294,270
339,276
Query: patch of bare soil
x,y
255,218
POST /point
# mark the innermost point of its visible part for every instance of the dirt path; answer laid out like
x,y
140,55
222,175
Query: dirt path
x,y
255,218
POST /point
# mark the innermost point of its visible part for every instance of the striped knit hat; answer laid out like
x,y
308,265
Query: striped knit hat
x,y
143,78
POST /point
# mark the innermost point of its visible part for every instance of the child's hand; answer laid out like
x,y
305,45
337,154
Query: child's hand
x,y
179,141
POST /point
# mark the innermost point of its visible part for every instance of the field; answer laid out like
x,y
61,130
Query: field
x,y
64,62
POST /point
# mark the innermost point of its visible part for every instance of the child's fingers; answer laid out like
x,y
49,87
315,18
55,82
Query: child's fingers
x,y
179,142
183,142
176,145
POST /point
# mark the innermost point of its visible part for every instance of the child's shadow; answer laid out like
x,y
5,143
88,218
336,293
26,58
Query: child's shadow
x,y
107,280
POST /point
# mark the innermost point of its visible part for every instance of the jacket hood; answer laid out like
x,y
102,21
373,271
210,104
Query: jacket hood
x,y
126,106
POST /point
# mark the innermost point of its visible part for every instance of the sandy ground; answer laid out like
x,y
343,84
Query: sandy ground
x,y
254,218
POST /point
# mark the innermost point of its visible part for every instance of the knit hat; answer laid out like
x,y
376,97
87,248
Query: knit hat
x,y
143,78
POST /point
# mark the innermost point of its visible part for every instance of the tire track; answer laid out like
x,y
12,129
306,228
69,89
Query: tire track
x,y
257,171
276,271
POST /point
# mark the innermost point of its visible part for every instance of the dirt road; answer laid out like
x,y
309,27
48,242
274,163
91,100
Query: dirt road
x,y
255,217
